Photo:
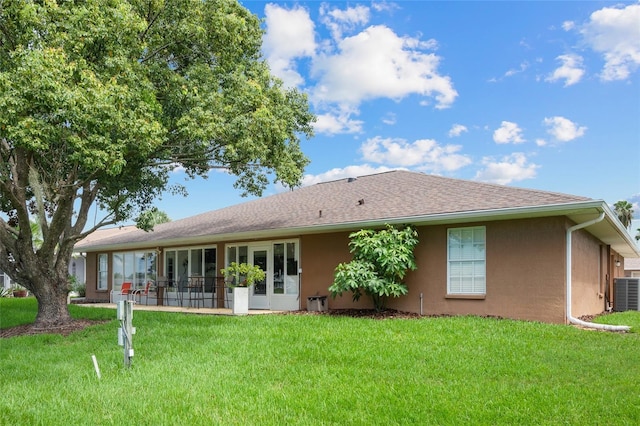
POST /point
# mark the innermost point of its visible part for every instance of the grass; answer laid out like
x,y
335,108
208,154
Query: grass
x,y
308,370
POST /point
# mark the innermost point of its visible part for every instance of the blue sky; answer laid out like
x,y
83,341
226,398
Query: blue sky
x,y
542,95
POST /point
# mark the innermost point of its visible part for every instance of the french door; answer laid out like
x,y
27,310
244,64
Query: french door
x,y
279,260
259,291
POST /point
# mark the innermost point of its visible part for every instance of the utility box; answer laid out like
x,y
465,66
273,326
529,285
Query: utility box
x,y
626,294
317,304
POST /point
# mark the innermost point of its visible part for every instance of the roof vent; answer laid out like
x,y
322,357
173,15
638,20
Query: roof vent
x,y
352,179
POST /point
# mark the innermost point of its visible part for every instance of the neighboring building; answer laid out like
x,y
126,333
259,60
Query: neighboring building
x,y
76,268
632,268
5,281
484,249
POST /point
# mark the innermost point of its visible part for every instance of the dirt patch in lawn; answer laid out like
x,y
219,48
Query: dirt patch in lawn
x,y
65,330
362,313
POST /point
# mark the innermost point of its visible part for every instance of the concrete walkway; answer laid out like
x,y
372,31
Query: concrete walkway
x,y
180,309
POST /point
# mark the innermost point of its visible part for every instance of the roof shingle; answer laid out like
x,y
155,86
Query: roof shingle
x,y
384,196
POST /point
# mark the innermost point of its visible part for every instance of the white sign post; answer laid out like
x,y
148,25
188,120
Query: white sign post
x,y
124,313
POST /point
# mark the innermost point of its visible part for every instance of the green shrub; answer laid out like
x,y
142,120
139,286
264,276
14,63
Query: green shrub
x,y
380,262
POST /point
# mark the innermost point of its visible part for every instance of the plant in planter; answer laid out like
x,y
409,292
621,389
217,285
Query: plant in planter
x,y
241,276
19,291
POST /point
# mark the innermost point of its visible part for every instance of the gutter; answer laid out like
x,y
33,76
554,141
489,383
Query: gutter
x,y
570,318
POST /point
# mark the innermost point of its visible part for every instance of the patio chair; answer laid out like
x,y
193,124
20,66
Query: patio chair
x,y
144,293
195,288
171,291
125,290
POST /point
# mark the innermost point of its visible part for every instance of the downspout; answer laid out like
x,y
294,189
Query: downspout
x,y
570,318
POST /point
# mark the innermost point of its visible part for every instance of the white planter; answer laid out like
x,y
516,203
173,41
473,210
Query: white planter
x,y
240,301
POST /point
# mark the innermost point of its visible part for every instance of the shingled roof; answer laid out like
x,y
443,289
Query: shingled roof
x,y
390,197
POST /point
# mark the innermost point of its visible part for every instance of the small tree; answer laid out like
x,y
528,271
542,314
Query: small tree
x,y
380,262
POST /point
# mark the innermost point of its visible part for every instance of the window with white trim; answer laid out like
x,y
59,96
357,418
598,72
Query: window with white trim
x,y
182,263
103,271
466,260
134,267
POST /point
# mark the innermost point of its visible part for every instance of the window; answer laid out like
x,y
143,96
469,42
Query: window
x,y
238,254
103,271
466,260
134,267
180,264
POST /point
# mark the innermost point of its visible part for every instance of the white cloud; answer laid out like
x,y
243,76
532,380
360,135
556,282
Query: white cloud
x,y
424,154
508,132
615,33
341,20
384,6
541,142
290,34
342,173
390,119
457,130
568,25
512,168
571,70
563,129
377,63
523,67
338,121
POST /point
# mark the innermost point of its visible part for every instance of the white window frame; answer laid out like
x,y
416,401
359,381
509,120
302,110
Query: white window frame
x,y
131,269
103,274
466,261
189,269
288,272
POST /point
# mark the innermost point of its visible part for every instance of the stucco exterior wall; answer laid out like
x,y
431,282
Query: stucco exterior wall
x,y
320,254
525,271
589,261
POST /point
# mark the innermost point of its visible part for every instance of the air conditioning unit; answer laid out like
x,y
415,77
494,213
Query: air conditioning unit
x,y
625,294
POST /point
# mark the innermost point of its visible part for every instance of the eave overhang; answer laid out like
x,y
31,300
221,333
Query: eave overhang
x,y
610,231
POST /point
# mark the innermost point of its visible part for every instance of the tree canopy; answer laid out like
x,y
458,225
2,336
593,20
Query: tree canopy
x,y
101,99
624,210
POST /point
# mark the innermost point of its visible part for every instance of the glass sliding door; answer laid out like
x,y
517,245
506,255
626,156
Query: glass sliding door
x,y
185,263
135,267
210,270
259,256
279,259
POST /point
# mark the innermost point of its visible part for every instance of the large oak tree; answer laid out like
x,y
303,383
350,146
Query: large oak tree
x,y
99,99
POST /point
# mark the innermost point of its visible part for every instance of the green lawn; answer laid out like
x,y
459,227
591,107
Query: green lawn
x,y
313,369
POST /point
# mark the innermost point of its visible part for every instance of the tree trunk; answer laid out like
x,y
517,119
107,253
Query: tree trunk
x,y
50,287
53,311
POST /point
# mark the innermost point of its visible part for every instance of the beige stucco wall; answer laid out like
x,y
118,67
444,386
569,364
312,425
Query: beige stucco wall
x,y
320,254
525,271
589,262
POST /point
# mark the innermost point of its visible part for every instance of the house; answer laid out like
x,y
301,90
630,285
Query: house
x,y
632,267
5,281
484,249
